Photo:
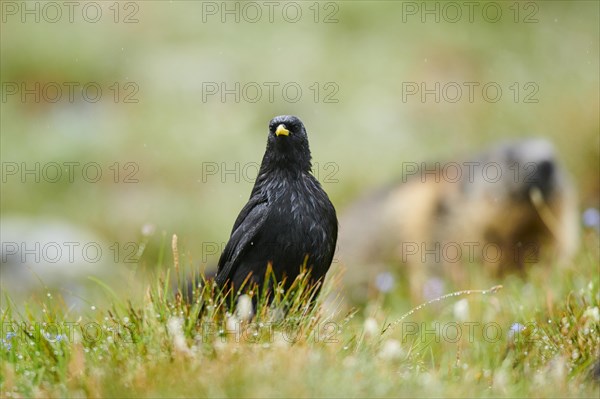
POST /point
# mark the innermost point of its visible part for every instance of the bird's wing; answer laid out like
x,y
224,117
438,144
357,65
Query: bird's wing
x,y
247,224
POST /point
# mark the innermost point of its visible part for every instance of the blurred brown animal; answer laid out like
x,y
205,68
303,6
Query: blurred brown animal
x,y
507,207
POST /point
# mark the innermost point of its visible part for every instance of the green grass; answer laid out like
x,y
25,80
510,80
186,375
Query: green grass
x,y
171,135
170,345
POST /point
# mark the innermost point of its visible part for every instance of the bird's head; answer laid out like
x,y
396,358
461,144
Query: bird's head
x,y
287,145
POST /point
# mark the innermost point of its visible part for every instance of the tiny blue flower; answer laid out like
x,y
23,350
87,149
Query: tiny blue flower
x,y
6,344
433,288
515,329
384,281
591,218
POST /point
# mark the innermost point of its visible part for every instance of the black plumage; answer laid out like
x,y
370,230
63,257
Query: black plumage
x,y
288,222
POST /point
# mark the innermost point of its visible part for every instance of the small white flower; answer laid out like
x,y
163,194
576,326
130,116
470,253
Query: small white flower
x,y
427,380
148,229
461,310
232,325
277,315
591,317
557,370
175,329
243,310
391,349
592,314
500,380
371,327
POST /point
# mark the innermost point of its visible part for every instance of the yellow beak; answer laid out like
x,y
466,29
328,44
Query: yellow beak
x,y
282,131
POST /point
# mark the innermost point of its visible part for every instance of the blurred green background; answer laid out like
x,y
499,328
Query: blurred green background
x,y
362,125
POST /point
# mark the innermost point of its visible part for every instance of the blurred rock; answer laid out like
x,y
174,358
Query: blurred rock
x,y
39,255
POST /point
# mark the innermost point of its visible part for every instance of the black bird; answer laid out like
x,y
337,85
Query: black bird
x,y
288,222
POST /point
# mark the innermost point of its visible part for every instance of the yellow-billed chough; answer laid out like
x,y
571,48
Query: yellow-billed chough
x,y
288,222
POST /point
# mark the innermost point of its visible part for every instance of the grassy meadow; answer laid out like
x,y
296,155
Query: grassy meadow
x,y
126,123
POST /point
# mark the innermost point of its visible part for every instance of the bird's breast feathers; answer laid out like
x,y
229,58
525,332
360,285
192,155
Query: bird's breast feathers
x,y
301,205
